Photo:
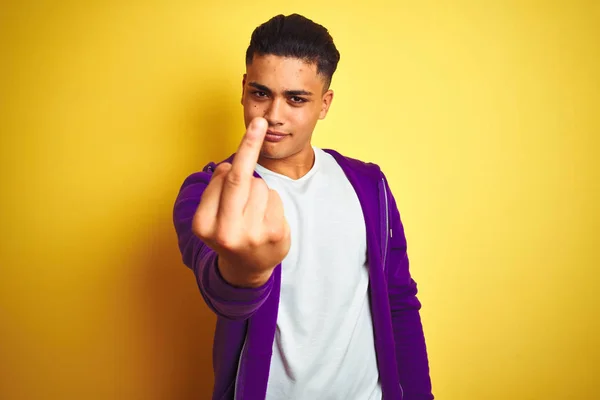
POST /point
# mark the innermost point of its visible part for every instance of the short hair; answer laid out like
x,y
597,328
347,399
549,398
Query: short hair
x,y
298,37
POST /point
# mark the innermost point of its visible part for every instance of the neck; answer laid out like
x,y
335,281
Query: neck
x,y
294,166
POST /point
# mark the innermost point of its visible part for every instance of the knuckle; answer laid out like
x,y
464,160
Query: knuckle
x,y
225,240
259,189
199,230
276,232
274,196
259,184
248,143
222,241
200,227
220,171
223,167
233,179
255,239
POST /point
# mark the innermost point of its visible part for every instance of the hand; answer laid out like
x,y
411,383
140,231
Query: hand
x,y
241,219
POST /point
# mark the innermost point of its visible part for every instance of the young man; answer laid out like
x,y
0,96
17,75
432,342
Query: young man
x,y
300,251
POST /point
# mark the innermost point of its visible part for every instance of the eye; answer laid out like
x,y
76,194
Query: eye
x,y
259,94
296,99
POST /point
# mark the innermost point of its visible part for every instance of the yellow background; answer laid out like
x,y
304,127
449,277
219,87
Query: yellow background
x,y
483,115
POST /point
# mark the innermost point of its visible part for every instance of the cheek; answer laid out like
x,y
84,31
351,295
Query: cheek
x,y
253,106
307,116
252,110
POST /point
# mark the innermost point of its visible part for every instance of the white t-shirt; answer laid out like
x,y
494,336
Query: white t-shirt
x,y
324,347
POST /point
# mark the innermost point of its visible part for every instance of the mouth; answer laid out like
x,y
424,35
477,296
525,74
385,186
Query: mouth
x,y
275,136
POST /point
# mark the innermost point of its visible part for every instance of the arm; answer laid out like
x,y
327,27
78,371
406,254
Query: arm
x,y
224,299
411,351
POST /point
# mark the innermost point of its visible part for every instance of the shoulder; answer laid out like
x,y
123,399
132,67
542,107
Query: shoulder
x,y
201,178
363,169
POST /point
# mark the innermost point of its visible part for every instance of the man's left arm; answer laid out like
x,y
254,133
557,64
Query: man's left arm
x,y
411,351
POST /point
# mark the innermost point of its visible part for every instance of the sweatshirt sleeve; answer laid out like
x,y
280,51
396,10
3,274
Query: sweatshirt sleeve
x,y
225,300
411,351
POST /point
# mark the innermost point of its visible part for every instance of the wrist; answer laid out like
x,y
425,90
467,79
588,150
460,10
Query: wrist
x,y
236,276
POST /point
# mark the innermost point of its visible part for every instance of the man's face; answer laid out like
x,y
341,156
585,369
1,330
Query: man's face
x,y
288,93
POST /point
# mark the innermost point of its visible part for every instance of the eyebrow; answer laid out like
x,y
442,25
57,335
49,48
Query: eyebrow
x,y
287,92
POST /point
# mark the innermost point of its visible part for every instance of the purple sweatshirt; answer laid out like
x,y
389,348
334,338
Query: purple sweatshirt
x,y
247,318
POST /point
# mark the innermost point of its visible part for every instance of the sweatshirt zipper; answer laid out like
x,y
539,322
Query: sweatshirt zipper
x,y
237,374
388,233
387,223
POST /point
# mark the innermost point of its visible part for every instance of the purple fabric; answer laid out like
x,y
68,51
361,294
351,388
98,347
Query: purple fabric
x,y
247,318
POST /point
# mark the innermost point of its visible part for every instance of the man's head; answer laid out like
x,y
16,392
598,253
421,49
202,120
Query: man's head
x,y
289,66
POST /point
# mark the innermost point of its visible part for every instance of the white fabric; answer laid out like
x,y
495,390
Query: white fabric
x,y
324,347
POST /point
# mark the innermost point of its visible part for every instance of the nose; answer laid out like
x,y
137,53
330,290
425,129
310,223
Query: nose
x,y
274,112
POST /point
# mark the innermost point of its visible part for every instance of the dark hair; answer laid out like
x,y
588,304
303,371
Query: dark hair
x,y
299,37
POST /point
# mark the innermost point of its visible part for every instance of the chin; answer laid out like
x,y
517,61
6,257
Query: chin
x,y
270,155
271,152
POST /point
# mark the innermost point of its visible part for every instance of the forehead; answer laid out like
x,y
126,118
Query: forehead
x,y
283,73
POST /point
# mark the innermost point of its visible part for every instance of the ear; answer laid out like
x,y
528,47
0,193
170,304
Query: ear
x,y
326,103
243,88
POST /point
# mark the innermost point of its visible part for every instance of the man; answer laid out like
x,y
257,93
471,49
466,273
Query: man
x,y
300,251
